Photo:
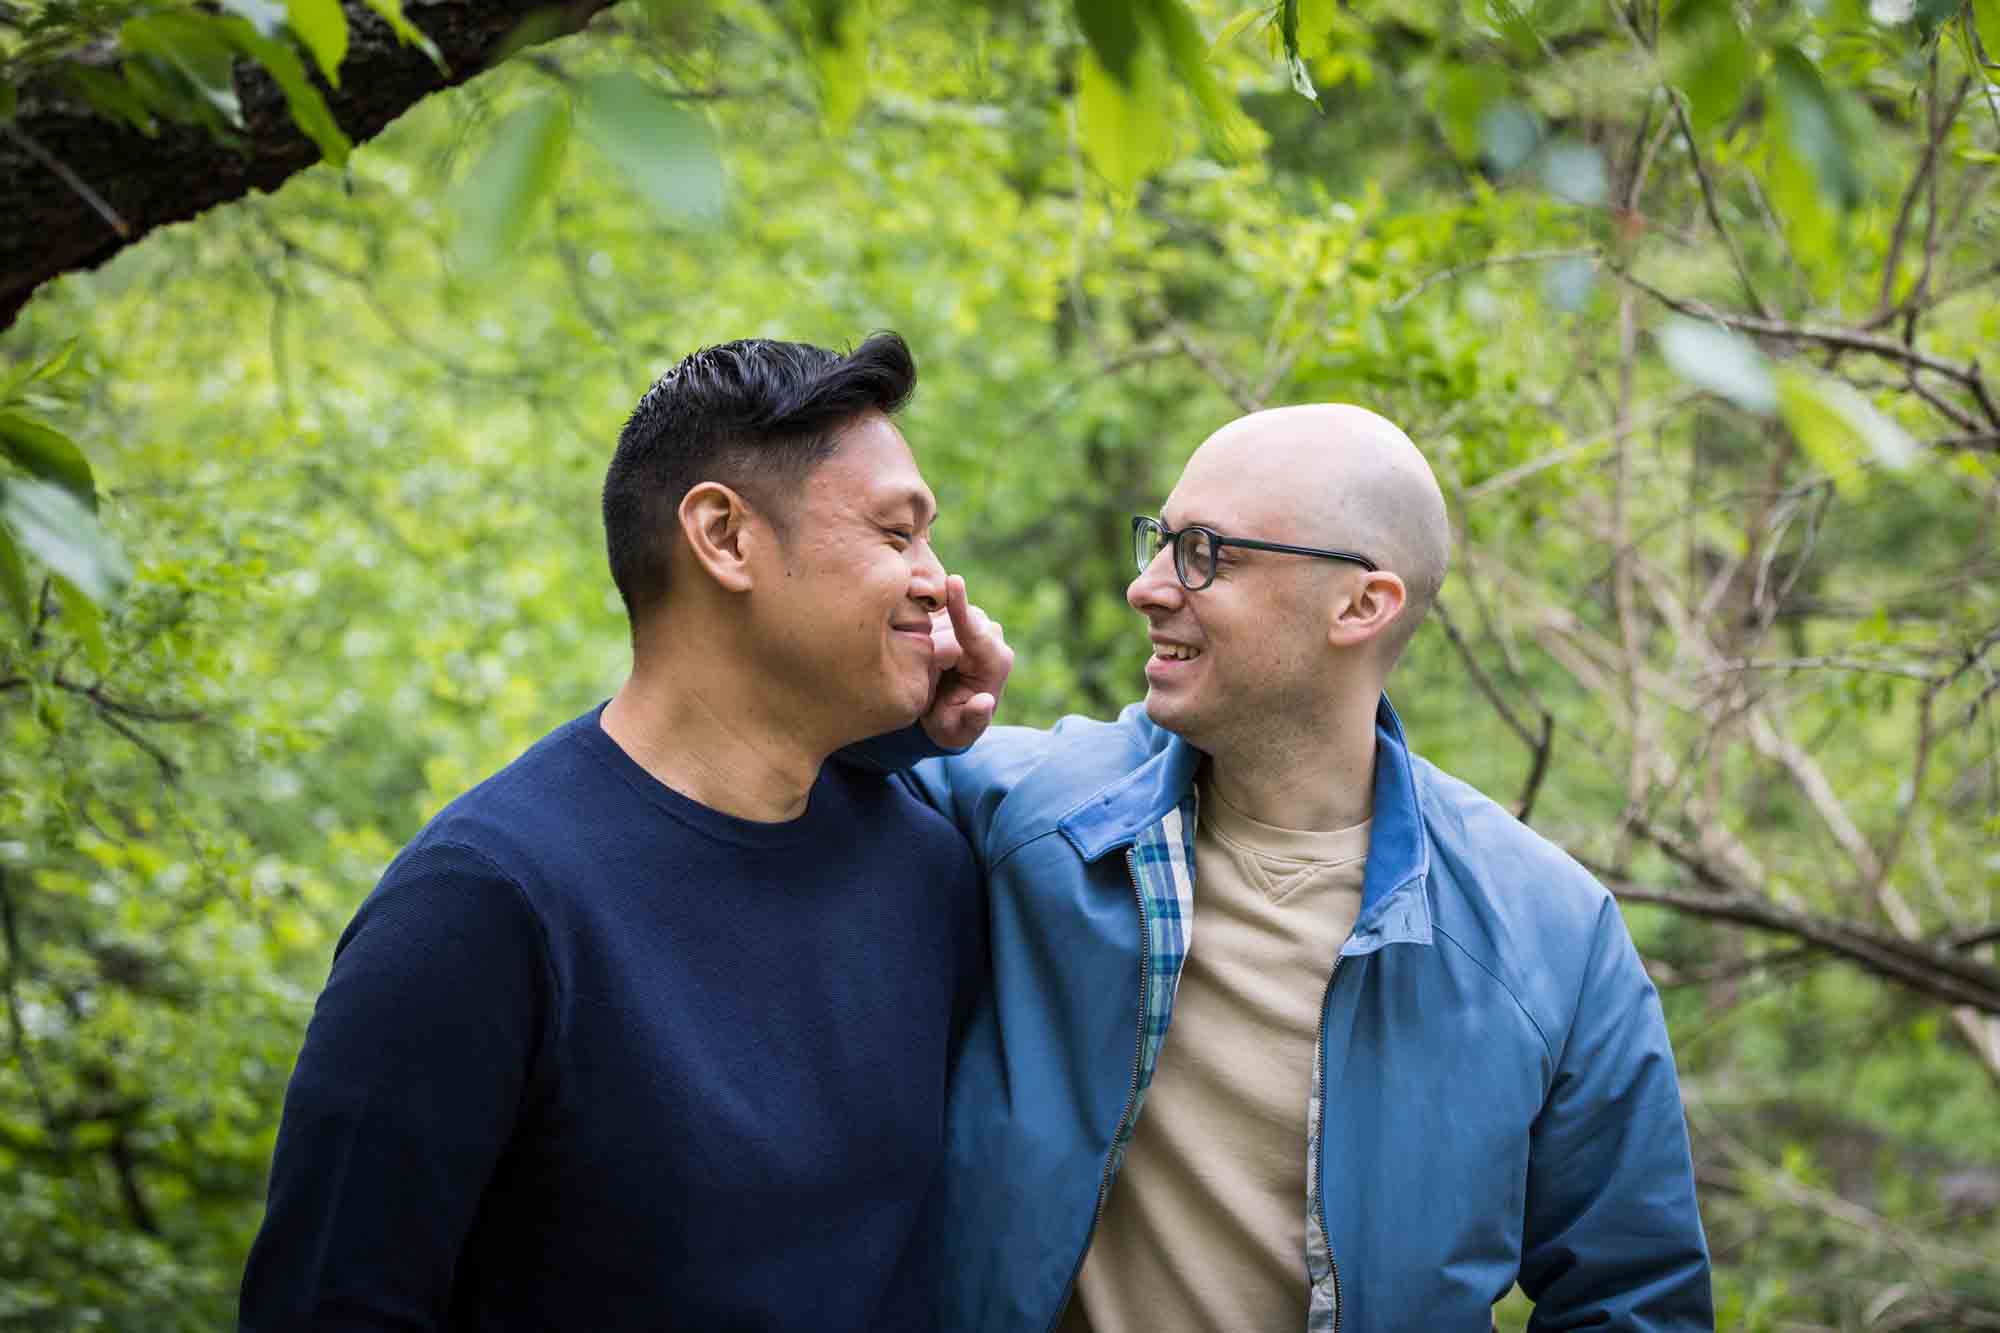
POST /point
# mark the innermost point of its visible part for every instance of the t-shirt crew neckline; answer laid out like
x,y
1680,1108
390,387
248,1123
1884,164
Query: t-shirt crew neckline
x,y
1268,842
588,731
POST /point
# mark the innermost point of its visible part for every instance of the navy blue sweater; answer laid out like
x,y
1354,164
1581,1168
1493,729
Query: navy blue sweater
x,y
595,1057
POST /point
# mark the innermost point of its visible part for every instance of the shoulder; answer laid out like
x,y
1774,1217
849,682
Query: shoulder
x,y
1078,754
502,813
887,812
1519,905
443,918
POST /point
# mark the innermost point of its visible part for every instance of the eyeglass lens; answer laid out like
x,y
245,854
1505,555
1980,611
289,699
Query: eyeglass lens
x,y
1145,544
1195,560
1194,554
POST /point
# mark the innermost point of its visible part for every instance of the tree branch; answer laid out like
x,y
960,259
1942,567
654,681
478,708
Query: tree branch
x,y
1921,967
1967,377
67,172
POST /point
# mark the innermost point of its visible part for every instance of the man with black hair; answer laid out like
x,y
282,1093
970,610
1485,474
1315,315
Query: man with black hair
x,y
650,1029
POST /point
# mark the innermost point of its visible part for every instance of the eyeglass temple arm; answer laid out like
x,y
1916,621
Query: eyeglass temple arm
x,y
1357,558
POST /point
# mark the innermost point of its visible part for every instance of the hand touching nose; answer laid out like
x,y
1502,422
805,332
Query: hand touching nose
x,y
973,660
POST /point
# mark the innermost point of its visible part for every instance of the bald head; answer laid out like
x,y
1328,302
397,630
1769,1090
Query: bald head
x,y
1341,476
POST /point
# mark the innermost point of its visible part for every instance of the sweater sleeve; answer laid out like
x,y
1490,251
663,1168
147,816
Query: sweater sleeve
x,y
415,1065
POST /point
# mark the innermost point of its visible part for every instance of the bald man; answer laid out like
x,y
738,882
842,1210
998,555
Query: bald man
x,y
1404,1054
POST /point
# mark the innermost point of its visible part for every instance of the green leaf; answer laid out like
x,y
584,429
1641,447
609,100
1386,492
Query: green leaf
x,y
1126,132
14,577
665,152
10,97
1819,429
113,97
1888,441
1459,98
309,110
1985,20
406,32
1236,26
197,45
1719,361
838,47
1187,55
90,1135
84,619
322,27
1716,72
1809,219
1815,128
536,26
1112,29
59,530
28,372
47,453
1295,61
497,199
1837,427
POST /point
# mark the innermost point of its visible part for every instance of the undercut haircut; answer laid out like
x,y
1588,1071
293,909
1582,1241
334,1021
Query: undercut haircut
x,y
756,415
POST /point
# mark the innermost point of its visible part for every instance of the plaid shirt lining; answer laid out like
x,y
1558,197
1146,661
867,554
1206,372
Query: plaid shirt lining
x,y
1162,860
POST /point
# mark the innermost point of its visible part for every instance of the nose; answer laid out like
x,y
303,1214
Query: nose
x,y
1157,588
927,578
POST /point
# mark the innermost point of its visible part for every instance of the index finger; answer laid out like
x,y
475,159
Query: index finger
x,y
958,609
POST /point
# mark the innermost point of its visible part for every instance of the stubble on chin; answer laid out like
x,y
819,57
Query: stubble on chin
x,y
1163,713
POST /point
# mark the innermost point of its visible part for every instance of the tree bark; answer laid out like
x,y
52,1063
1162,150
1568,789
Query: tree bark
x,y
49,226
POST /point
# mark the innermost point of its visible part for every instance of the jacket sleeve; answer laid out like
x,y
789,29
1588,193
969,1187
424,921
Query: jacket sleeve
x,y
892,751
1613,1239
965,786
406,1091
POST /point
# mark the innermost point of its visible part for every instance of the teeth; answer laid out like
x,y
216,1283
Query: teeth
x,y
1175,652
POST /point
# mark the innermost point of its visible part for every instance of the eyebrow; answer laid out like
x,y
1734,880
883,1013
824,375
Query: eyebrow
x,y
922,502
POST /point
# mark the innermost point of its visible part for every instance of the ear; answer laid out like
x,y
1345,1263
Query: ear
x,y
721,534
1367,608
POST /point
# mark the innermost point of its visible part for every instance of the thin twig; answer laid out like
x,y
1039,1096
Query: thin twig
x,y
1491,261
1539,742
1816,664
75,182
1225,379
1715,213
1924,174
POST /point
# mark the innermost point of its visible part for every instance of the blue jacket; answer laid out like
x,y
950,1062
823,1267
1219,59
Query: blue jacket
x,y
1495,1094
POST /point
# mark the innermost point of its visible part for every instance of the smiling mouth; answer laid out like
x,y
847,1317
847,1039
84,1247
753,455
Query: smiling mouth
x,y
1175,652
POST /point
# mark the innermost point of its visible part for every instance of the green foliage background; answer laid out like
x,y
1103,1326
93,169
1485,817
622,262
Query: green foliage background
x,y
350,437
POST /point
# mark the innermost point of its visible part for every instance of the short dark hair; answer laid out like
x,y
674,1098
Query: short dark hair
x,y
758,416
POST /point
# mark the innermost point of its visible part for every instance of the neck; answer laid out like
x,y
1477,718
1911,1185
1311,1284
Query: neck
x,y
1322,780
700,724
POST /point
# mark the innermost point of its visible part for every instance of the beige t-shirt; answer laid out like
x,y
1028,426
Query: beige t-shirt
x,y
1205,1225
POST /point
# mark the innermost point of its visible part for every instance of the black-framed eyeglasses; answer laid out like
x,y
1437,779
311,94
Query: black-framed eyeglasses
x,y
1195,550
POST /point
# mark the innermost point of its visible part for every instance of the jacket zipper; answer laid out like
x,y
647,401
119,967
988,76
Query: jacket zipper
x,y
1131,1095
1318,1200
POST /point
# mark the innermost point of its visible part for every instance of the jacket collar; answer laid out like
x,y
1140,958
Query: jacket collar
x,y
1398,843
1399,849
